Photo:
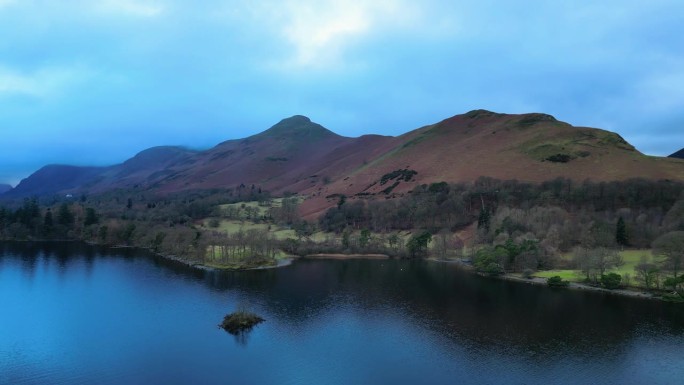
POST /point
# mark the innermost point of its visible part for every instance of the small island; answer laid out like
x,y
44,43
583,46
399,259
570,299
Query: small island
x,y
240,321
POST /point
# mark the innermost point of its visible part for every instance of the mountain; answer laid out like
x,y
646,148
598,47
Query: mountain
x,y
146,166
679,154
4,188
298,155
528,147
55,178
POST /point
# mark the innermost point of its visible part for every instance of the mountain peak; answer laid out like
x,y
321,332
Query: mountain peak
x,y
297,119
297,126
476,114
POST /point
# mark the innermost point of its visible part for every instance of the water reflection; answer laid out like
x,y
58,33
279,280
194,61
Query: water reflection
x,y
475,319
452,302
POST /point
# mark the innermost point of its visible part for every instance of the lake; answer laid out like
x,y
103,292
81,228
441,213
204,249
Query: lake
x,y
77,314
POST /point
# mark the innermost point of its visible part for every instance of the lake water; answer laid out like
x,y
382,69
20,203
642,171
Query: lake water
x,y
72,313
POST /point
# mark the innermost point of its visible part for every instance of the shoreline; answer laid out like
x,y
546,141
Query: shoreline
x,y
627,292
342,256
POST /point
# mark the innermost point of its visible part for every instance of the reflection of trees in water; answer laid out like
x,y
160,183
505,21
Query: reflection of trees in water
x,y
476,312
242,337
454,303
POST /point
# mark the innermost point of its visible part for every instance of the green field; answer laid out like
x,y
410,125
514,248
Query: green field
x,y
568,275
630,257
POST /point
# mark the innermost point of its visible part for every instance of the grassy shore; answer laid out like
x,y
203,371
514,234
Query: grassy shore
x,y
630,257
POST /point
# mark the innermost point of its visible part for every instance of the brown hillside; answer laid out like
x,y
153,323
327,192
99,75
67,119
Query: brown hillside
x,y
300,156
294,155
529,147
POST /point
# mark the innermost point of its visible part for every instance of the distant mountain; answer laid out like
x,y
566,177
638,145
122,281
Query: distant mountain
x,y
4,188
679,154
298,155
139,170
55,178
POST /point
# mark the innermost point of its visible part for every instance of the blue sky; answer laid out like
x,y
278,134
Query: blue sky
x,y
94,82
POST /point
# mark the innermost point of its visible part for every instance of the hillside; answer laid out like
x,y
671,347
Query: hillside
x,y
298,155
4,188
56,178
679,154
528,147
147,165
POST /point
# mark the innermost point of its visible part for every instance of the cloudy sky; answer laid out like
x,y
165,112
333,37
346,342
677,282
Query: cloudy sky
x,y
94,82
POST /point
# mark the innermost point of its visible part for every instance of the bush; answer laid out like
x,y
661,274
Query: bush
x,y
557,281
493,269
611,280
670,297
488,260
527,273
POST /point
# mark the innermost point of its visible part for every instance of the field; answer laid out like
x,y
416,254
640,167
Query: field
x,y
630,257
245,216
231,226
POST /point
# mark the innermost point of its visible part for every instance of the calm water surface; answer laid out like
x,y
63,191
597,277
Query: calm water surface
x,y
72,313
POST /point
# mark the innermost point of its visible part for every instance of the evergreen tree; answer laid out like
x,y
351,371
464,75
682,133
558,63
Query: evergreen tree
x,y
341,201
65,217
483,221
90,217
48,219
621,233
4,214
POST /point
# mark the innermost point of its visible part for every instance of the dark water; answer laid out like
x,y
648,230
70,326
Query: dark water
x,y
72,314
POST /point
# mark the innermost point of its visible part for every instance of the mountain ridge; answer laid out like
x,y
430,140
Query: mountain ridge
x,y
300,156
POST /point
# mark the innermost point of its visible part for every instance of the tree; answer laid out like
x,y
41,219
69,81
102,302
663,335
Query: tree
x,y
345,239
48,223
611,280
675,284
29,214
126,234
621,233
394,241
594,263
102,233
442,244
556,281
341,201
157,241
90,217
418,244
303,229
4,216
287,213
64,216
647,273
670,248
490,260
484,219
364,238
